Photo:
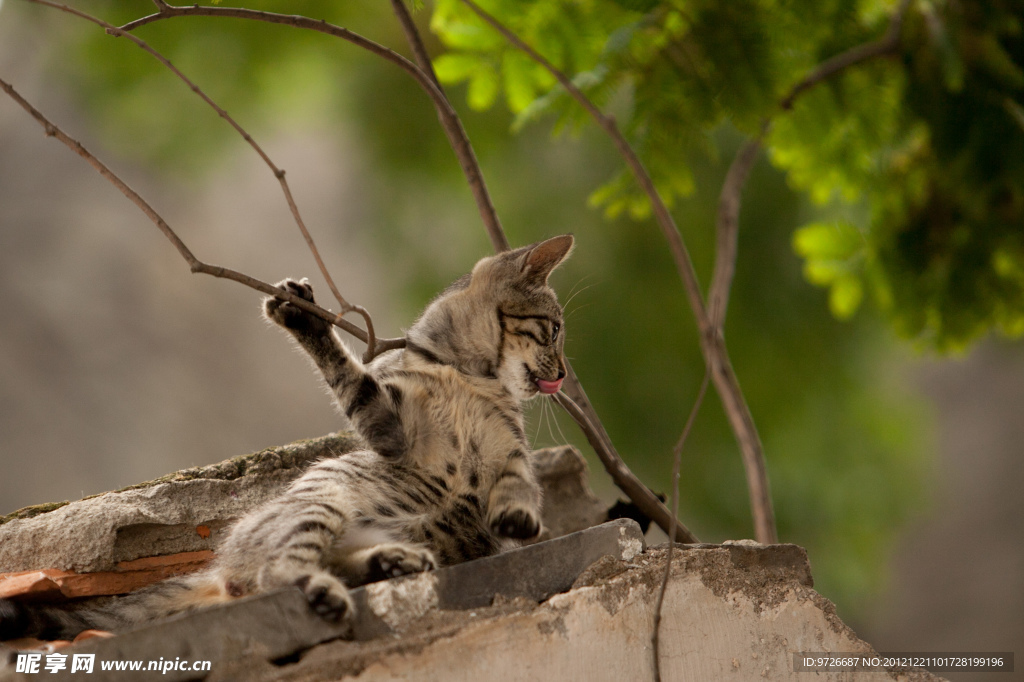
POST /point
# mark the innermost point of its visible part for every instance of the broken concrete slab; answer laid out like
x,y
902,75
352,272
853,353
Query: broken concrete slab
x,y
276,625
735,613
53,585
188,511
569,503
95,533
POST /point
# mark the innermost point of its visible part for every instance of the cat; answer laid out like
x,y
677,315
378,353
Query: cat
x,y
446,476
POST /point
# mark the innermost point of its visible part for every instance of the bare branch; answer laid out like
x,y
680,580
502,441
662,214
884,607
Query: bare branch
x,y
449,119
412,36
643,498
677,247
677,456
572,389
279,173
712,344
293,20
884,46
195,265
727,230
456,134
371,337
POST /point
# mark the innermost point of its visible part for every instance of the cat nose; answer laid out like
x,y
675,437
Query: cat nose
x,y
561,374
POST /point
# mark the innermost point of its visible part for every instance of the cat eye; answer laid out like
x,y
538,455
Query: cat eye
x,y
555,328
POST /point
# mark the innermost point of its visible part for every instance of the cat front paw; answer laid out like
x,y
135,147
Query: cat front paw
x,y
394,560
520,524
327,596
289,315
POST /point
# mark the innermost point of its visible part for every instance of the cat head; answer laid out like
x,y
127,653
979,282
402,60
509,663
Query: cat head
x,y
501,321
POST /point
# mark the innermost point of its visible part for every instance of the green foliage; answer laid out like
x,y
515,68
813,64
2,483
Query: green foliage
x,y
832,254
931,142
934,145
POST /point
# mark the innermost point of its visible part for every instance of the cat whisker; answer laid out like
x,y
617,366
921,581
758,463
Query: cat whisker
x,y
580,281
565,306
547,418
554,416
575,310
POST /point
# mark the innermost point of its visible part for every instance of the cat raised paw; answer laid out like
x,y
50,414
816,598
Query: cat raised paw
x,y
290,316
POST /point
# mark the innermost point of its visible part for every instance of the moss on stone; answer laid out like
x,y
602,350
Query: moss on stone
x,y
33,510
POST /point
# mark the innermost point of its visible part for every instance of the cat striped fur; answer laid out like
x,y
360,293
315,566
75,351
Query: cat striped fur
x,y
446,476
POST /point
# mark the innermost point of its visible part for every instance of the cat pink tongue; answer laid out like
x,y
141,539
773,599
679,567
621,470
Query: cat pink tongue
x,y
549,387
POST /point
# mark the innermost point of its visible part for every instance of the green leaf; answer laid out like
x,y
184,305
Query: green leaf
x,y
471,37
517,70
845,296
834,254
483,88
455,67
833,241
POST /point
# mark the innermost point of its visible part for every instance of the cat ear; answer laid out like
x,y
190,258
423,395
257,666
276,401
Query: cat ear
x,y
545,257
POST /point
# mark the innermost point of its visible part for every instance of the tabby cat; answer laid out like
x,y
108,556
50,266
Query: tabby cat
x,y
446,476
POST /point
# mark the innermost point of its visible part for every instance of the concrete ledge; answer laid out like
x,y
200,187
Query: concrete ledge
x,y
730,613
272,626
576,607
164,516
188,511
737,611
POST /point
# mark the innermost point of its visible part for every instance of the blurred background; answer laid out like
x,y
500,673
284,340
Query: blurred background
x,y
894,450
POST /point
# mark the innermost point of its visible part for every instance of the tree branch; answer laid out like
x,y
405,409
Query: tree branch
x,y
195,265
641,496
727,233
884,46
279,173
572,390
446,114
727,229
677,456
712,343
457,137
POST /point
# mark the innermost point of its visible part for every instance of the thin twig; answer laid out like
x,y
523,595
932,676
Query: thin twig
x,y
457,137
449,119
195,265
727,221
712,343
589,422
710,324
680,254
279,173
727,229
624,478
677,457
884,46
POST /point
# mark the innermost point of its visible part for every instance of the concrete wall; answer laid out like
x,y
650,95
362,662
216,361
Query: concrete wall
x,y
730,613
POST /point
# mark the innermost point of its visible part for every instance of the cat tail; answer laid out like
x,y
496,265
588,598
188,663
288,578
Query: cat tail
x,y
184,593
